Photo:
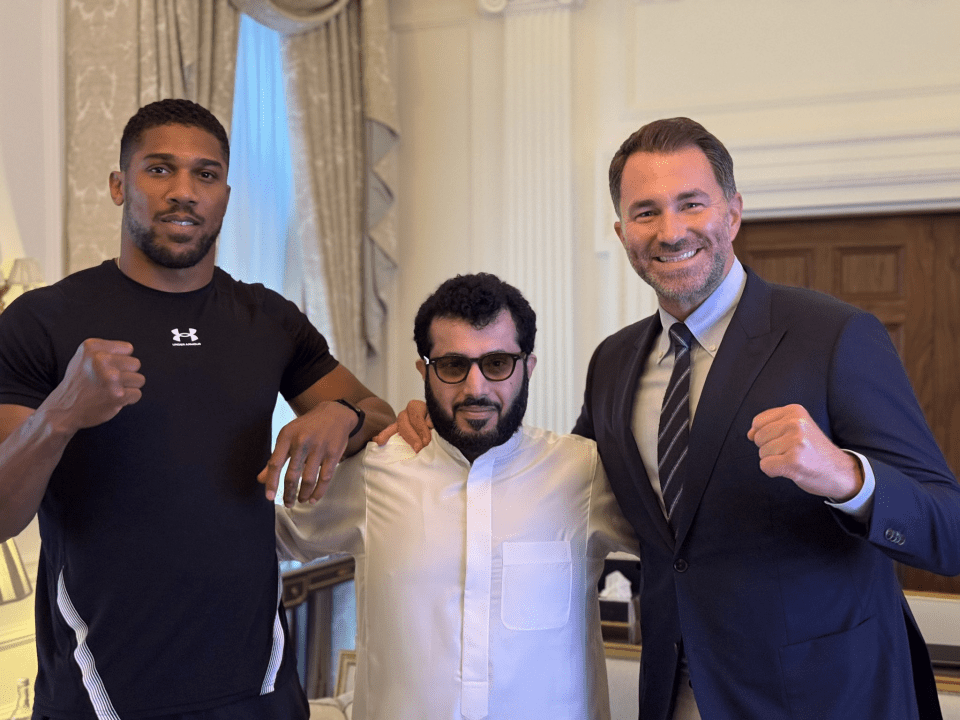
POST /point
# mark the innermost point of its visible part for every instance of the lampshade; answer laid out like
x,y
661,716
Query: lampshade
x,y
14,583
25,273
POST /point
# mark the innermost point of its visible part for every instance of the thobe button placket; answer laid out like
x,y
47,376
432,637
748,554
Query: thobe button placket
x,y
475,663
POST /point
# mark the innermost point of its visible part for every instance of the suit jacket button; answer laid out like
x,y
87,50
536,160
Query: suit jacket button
x,y
680,565
894,536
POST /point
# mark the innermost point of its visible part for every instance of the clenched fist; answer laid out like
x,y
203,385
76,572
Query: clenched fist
x,y
793,446
102,378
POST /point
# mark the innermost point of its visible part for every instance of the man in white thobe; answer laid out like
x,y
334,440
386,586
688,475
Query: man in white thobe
x,y
478,559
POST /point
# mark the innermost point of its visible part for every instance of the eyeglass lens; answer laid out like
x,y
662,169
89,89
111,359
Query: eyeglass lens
x,y
494,366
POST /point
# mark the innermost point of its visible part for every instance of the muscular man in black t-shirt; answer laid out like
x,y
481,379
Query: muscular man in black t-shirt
x,y
135,407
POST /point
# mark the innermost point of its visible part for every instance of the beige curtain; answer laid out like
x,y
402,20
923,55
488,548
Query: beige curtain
x,y
342,110
119,56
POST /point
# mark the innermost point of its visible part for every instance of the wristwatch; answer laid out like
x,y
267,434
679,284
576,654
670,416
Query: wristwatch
x,y
361,416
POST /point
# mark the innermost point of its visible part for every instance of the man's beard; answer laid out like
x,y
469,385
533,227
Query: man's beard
x,y
146,240
474,444
697,289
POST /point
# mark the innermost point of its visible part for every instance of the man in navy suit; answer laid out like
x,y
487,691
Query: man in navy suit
x,y
769,592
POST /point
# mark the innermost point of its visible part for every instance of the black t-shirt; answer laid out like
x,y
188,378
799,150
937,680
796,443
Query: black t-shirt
x,y
158,585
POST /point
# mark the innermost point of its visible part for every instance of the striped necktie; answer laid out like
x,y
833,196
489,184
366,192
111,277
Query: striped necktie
x,y
674,435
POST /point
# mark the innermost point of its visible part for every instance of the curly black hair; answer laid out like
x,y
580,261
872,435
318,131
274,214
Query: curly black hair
x,y
172,111
478,299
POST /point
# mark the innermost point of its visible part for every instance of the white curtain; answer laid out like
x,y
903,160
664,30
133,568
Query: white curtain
x,y
119,56
254,241
343,128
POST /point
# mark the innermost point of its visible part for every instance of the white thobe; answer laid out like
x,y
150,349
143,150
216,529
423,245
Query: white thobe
x,y
476,584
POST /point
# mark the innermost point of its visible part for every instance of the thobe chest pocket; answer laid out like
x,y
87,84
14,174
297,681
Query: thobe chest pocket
x,y
537,583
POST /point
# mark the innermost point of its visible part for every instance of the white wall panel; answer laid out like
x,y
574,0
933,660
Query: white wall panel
x,y
537,196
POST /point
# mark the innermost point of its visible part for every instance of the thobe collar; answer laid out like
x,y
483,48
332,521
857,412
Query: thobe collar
x,y
494,454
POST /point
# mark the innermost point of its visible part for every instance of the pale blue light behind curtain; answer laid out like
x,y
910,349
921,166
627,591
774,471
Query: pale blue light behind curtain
x,y
254,242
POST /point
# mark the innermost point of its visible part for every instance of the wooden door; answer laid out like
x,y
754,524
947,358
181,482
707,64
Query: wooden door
x,y
905,269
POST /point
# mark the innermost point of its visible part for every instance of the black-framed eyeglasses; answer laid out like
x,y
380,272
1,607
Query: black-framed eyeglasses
x,y
495,366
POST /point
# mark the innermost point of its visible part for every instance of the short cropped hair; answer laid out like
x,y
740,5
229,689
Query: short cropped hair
x,y
172,111
670,136
478,299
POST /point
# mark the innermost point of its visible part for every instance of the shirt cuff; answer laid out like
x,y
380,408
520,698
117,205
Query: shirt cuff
x,y
860,506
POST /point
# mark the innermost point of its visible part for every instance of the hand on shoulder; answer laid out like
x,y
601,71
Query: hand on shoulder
x,y
413,425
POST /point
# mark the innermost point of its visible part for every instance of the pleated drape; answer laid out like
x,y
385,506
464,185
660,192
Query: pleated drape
x,y
326,121
343,128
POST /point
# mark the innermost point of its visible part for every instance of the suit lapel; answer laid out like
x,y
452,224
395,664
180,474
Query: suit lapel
x,y
623,420
746,347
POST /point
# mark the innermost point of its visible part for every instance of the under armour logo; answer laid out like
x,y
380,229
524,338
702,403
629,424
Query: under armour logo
x,y
190,335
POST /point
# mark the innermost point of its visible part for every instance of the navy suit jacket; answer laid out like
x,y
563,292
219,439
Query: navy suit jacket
x,y
786,607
